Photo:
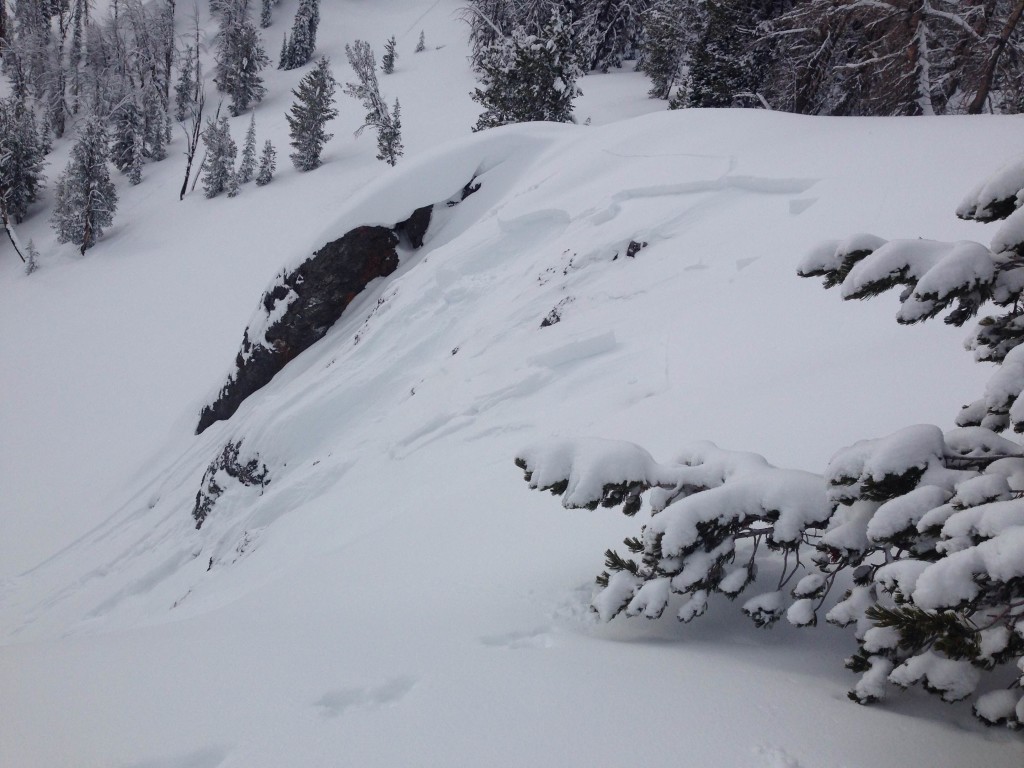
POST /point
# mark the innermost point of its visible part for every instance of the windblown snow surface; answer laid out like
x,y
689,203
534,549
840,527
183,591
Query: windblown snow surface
x,y
397,596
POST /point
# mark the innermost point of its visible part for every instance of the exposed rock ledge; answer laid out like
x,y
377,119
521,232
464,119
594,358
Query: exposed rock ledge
x,y
303,304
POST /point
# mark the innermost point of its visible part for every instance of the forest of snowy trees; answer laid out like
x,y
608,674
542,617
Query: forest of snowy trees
x,y
823,57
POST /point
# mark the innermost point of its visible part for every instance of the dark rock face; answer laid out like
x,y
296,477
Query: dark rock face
x,y
317,293
303,304
415,227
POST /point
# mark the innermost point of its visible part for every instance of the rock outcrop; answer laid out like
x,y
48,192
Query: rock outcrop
x,y
301,307
303,304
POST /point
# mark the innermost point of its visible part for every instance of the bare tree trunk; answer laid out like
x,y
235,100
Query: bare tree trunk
x,y
9,228
988,73
193,140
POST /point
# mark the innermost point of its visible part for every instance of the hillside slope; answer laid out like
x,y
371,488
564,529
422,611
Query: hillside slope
x,y
395,595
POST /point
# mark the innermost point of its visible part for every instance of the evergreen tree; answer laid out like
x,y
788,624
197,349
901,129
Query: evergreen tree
x,y
389,137
367,90
266,17
302,43
22,158
526,77
664,47
388,62
725,70
240,57
155,123
31,258
421,44
268,164
126,150
282,58
617,30
220,157
309,114
185,87
247,166
86,197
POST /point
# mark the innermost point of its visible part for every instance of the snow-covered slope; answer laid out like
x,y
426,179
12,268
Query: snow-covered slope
x,y
395,595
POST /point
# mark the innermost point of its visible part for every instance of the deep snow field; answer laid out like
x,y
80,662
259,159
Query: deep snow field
x,y
396,596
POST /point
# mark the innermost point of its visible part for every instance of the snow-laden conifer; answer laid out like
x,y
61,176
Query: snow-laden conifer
x,y
268,164
266,13
126,149
389,137
301,44
86,197
367,90
220,157
310,113
247,165
664,47
240,57
390,54
185,85
22,158
421,44
527,77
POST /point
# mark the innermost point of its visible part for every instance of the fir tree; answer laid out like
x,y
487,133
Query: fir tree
x,y
126,147
302,43
155,123
22,158
247,166
526,77
282,58
86,197
185,87
664,47
367,90
421,44
726,68
31,258
220,157
313,108
268,164
240,57
388,62
389,137
266,17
